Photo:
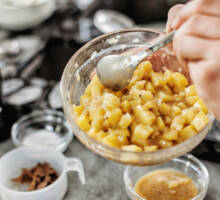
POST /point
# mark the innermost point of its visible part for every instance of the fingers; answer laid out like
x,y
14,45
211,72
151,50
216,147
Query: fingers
x,y
206,76
208,7
173,12
202,26
204,73
191,48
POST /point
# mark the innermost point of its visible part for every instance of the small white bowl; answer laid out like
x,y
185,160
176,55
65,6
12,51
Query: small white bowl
x,y
12,163
19,18
187,164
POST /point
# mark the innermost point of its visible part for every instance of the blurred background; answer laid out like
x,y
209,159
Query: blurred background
x,y
38,37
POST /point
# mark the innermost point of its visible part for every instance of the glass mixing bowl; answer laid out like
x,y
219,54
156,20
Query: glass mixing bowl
x,y
76,77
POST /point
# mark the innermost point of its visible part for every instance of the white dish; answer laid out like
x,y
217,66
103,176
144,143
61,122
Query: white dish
x,y
14,17
12,162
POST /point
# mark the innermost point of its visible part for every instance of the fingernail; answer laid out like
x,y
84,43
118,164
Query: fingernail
x,y
175,23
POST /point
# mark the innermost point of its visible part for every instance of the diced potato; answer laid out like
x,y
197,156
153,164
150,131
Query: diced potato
x,y
143,131
118,94
179,140
200,121
145,95
140,71
110,101
179,80
134,104
168,77
165,109
97,123
140,84
149,105
170,135
114,116
126,97
134,92
147,68
168,120
78,109
188,132
95,83
138,141
119,131
179,97
178,123
181,105
150,148
149,87
137,110
188,114
100,135
191,100
176,110
147,117
106,125
123,140
165,97
83,122
96,91
165,144
200,105
133,126
157,79
92,132
132,148
191,90
84,100
111,140
125,120
126,107
96,113
167,89
160,124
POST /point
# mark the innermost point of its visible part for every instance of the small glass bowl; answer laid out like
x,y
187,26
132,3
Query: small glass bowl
x,y
187,164
42,128
76,77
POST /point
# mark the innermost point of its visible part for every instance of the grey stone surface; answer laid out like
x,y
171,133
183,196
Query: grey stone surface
x,y
105,178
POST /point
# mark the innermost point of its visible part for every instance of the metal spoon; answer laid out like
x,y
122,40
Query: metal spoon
x,y
115,71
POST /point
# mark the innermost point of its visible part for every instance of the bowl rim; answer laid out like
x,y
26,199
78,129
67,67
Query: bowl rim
x,y
104,147
37,113
12,7
189,157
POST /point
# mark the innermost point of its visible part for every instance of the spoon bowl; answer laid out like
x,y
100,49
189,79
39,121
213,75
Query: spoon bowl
x,y
115,71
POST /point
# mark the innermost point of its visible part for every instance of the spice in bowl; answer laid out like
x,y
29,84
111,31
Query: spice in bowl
x,y
166,184
38,177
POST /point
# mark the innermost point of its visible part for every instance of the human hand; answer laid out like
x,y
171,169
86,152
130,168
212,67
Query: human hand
x,y
197,46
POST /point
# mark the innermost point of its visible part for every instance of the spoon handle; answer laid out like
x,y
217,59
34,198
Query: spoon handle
x,y
163,42
153,48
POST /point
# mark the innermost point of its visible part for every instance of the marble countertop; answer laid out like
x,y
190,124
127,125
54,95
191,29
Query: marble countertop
x,y
105,178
